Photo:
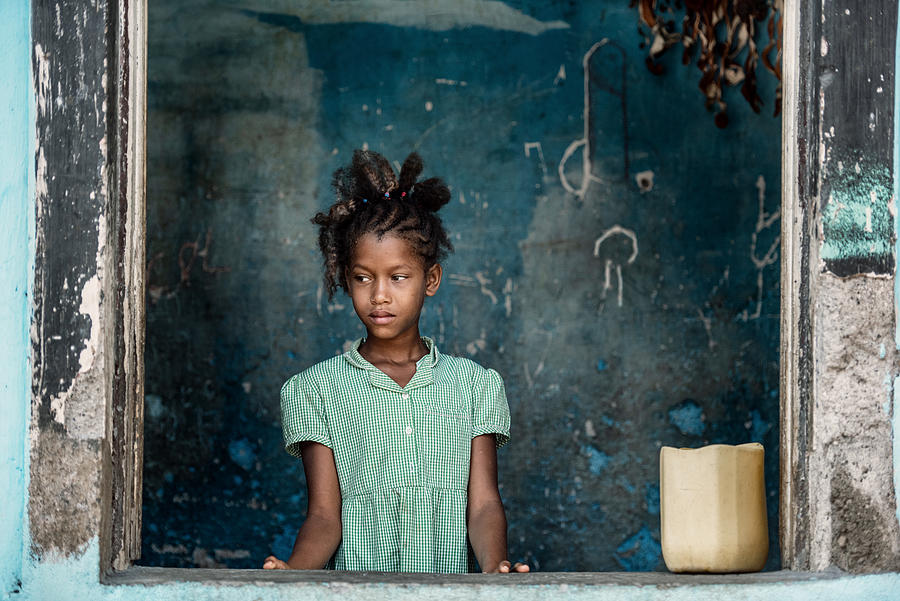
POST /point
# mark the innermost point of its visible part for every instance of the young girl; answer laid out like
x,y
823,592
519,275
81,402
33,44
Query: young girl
x,y
398,441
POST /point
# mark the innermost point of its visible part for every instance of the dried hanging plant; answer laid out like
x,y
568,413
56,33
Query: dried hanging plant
x,y
725,32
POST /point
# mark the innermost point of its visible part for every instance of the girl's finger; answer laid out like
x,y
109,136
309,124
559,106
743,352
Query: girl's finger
x,y
521,567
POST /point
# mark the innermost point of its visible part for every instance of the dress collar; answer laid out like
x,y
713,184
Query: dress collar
x,y
429,360
424,368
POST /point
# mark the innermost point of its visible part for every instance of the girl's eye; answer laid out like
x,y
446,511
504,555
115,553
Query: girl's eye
x,y
398,277
361,278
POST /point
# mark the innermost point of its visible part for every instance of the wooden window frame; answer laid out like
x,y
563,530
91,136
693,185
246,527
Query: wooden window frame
x,y
123,515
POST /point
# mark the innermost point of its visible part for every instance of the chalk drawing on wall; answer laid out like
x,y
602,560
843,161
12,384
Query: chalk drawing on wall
x,y
531,375
604,247
707,326
560,75
536,146
482,281
584,143
764,221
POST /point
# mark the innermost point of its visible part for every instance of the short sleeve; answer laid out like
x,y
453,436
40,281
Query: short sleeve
x,y
302,415
490,412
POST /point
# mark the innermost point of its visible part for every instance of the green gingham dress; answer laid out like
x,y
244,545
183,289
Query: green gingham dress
x,y
402,453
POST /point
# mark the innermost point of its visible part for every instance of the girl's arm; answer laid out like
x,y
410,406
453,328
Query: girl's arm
x,y
485,515
320,534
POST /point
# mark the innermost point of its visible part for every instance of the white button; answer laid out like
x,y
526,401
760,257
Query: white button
x,y
405,395
408,430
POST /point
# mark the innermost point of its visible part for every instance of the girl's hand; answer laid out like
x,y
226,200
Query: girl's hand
x,y
273,563
506,567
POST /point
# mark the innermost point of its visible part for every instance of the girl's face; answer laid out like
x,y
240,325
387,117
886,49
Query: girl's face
x,y
388,285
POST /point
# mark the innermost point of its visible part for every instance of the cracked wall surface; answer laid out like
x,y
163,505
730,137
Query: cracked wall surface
x,y
853,503
72,335
843,486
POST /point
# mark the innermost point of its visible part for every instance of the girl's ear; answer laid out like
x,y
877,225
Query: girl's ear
x,y
433,279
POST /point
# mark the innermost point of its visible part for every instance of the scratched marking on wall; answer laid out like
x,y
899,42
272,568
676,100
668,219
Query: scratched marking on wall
x,y
585,143
764,221
536,146
612,262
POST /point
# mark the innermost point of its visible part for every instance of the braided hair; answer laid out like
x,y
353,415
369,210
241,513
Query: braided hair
x,y
371,199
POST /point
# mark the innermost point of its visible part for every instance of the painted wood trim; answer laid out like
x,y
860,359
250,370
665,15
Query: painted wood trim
x,y
128,398
789,267
799,193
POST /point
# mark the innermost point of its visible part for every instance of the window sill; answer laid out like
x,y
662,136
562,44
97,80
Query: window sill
x,y
149,576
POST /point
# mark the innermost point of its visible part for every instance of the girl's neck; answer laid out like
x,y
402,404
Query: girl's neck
x,y
405,349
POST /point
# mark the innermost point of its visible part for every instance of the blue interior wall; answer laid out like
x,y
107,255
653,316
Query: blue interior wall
x,y
16,257
666,335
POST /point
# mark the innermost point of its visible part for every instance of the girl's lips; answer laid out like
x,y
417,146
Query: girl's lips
x,y
381,317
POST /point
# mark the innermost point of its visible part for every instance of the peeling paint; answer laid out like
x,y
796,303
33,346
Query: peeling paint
x,y
44,89
857,225
597,459
639,552
688,417
90,306
69,212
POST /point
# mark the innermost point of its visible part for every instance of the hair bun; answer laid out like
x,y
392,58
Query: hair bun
x,y
412,168
372,175
432,194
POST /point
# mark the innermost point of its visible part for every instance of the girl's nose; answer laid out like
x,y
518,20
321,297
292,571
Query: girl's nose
x,y
380,293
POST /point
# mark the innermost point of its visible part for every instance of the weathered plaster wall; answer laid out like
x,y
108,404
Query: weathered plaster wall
x,y
847,494
16,256
620,270
72,337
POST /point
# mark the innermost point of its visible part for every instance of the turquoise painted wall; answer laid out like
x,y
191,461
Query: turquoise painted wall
x,y
16,257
